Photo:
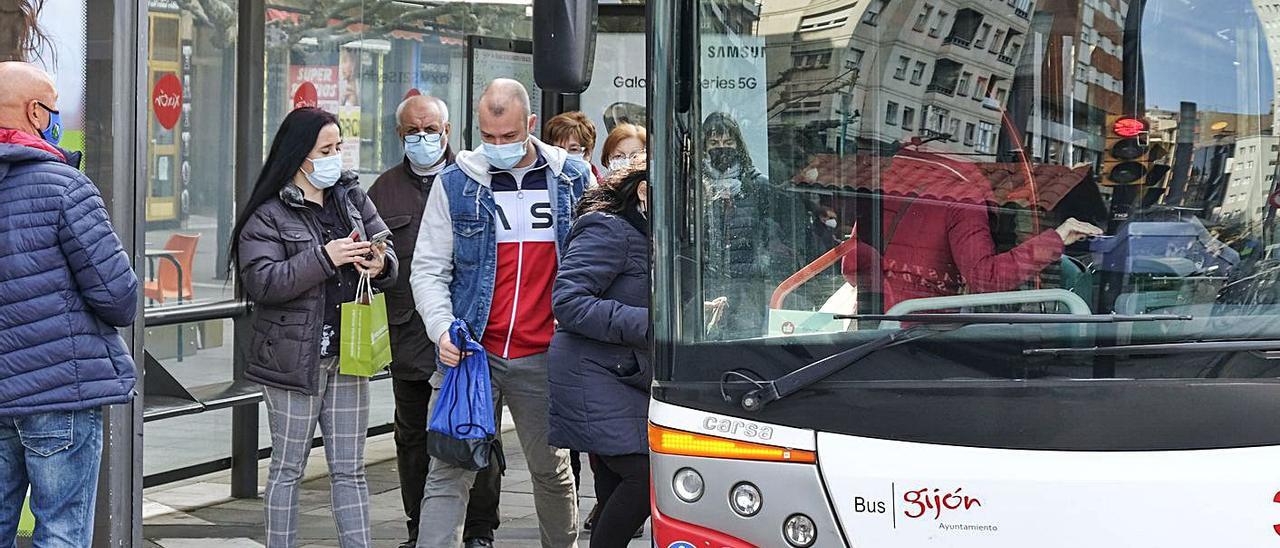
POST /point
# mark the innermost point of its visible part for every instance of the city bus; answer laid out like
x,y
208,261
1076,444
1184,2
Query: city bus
x,y
968,273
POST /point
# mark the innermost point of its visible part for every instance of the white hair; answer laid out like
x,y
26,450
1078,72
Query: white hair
x,y
438,102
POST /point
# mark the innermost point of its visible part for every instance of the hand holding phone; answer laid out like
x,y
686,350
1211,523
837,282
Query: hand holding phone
x,y
380,238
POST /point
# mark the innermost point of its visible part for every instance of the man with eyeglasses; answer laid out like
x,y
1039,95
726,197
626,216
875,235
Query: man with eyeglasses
x,y
400,194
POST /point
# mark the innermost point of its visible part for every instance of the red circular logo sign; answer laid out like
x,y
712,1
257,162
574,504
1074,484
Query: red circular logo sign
x,y
166,100
306,96
788,328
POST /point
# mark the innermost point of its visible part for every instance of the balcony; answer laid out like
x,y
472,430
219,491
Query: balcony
x,y
939,88
954,40
1022,13
1005,59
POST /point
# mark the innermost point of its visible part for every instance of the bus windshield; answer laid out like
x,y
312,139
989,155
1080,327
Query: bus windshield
x,y
871,157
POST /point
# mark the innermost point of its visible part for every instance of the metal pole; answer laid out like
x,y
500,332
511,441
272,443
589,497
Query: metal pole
x,y
250,89
114,130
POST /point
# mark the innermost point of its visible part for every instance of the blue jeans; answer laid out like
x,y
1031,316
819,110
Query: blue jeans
x,y
57,454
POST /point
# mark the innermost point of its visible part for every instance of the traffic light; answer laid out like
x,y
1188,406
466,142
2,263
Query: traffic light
x,y
1125,158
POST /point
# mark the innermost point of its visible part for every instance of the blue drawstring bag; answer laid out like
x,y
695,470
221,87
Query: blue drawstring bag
x,y
462,430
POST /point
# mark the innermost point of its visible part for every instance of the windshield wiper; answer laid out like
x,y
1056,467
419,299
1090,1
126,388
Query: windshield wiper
x,y
1159,348
1012,318
768,391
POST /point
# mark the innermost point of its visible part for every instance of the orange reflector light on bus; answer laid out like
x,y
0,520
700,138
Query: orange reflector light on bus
x,y
678,442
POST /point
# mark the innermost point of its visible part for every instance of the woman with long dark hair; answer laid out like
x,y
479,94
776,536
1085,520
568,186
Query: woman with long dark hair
x,y
599,372
300,247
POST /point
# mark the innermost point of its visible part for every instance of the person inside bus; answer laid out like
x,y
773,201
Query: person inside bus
x,y
575,133
743,215
937,247
598,369
625,143
300,248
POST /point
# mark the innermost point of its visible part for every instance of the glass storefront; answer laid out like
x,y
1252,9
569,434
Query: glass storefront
x,y
169,164
168,170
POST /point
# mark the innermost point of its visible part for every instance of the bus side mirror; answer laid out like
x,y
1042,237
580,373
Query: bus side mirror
x,y
564,36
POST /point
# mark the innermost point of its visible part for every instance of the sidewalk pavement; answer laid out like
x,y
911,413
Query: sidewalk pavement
x,y
200,512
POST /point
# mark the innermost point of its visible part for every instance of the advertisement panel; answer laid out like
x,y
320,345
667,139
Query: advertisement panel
x,y
916,494
488,63
733,83
618,82
349,107
63,56
313,86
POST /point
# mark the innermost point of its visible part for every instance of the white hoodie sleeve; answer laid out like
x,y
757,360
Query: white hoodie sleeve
x,y
432,269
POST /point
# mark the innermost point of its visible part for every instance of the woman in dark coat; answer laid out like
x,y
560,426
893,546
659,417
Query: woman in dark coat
x,y
300,247
599,368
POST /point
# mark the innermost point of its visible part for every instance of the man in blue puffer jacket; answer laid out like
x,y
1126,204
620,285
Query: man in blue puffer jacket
x,y
65,286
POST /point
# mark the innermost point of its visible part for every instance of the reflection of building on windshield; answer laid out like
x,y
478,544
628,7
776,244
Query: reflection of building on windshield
x,y
863,72
1016,106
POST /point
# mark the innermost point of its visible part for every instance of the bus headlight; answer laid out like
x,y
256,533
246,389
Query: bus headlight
x,y
687,484
745,499
800,531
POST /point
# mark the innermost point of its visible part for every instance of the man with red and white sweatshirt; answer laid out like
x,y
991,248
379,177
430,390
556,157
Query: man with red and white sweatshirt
x,y
487,253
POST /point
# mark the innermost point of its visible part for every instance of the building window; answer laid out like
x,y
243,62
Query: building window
x,y
901,72
855,58
980,91
954,129
811,59
936,29
918,74
1013,51
986,134
937,118
891,114
873,11
923,18
908,117
821,21
969,128
995,43
983,33
962,87
1000,95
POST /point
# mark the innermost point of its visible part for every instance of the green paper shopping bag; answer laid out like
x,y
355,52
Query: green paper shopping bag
x,y
364,347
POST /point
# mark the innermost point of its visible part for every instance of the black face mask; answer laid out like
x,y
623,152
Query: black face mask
x,y
723,158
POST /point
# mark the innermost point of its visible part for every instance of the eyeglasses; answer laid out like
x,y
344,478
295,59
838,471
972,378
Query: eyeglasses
x,y
415,137
576,149
633,156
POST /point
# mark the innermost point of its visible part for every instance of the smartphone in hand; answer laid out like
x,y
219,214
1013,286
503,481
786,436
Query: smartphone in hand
x,y
381,237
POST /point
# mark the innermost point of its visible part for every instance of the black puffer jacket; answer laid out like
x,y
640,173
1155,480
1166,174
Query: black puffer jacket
x,y
283,270
746,254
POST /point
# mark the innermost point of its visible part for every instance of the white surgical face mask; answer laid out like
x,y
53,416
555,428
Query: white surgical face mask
x,y
579,156
426,151
831,223
505,156
325,171
618,163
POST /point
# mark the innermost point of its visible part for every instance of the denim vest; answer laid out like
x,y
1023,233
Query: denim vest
x,y
475,244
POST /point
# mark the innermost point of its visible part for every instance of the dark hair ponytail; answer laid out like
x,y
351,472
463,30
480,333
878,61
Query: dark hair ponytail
x,y
293,142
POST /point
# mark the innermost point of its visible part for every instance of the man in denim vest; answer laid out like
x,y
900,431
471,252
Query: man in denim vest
x,y
487,252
